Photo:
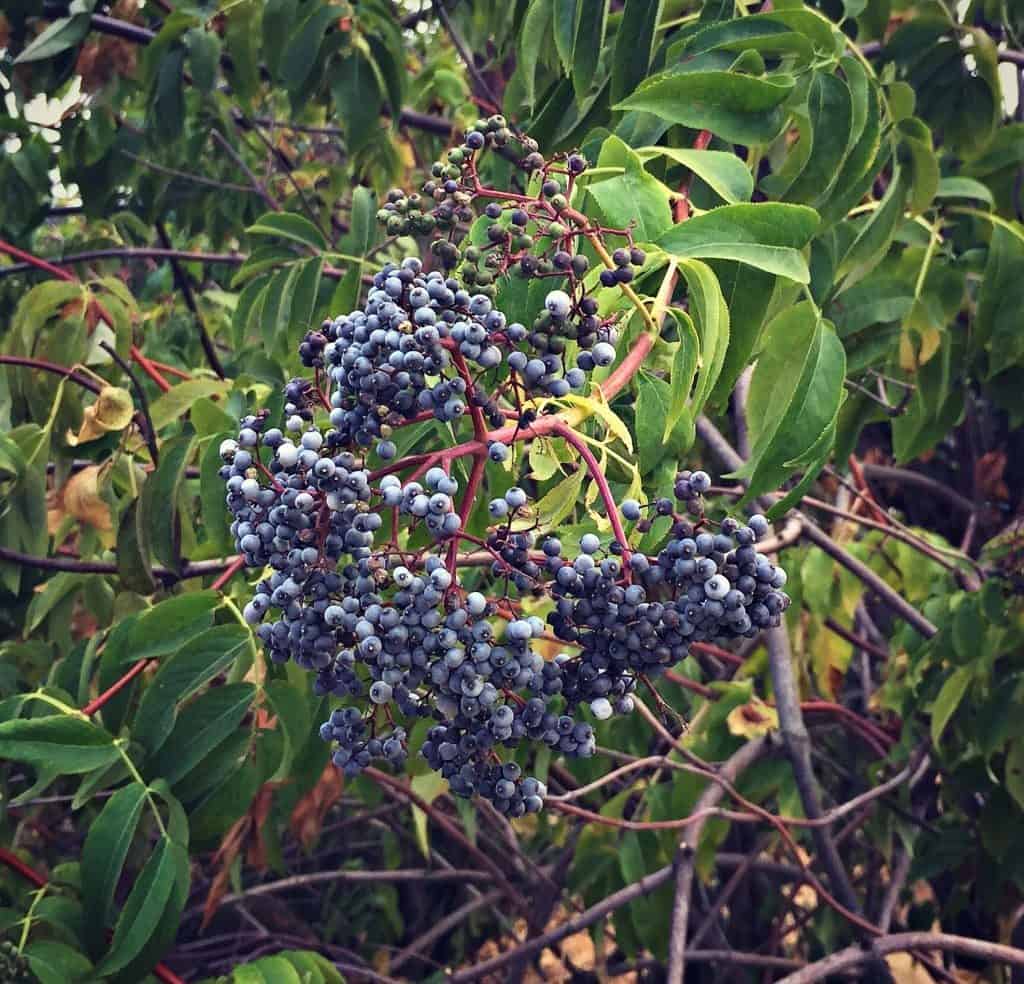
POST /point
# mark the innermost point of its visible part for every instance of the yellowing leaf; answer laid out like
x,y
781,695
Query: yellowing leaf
x,y
753,719
112,411
596,407
558,503
82,499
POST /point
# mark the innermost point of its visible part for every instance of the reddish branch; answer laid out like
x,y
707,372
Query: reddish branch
x,y
94,705
55,271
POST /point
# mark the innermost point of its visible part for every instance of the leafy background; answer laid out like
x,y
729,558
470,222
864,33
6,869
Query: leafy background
x,y
187,187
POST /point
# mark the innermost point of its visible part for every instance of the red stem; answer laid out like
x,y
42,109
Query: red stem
x,y
56,271
571,437
94,705
466,505
226,575
475,412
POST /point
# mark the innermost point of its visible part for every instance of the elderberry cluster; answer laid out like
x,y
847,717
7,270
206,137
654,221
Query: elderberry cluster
x,y
391,631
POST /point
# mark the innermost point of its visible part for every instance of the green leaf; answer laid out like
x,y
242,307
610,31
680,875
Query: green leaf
x,y
56,37
54,962
307,286
738,108
532,39
917,154
45,601
292,711
134,554
634,46
103,856
962,187
725,174
203,57
590,29
711,319
875,235
428,786
159,500
652,405
241,36
288,225
143,908
795,393
684,369
948,700
757,235
165,627
556,504
634,196
169,406
201,727
567,15
830,113
276,315
60,743
278,19
996,328
179,677
165,115
299,56
357,99
215,517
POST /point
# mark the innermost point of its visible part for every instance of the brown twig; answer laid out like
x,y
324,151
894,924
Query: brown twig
x,y
181,279
855,956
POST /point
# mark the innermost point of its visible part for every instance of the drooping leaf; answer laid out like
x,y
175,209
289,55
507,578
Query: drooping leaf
x,y
103,856
738,108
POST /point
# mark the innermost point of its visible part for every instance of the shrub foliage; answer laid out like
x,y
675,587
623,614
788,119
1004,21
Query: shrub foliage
x,y
369,609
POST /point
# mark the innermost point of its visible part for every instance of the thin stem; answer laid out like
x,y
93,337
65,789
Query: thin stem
x,y
112,691
181,279
257,185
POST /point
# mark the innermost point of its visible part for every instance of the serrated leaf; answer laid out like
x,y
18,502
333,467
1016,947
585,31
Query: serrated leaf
x,y
54,962
795,393
62,34
164,628
590,29
203,57
134,560
711,319
532,39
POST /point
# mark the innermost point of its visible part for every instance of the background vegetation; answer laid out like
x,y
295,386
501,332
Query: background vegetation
x,y
186,188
